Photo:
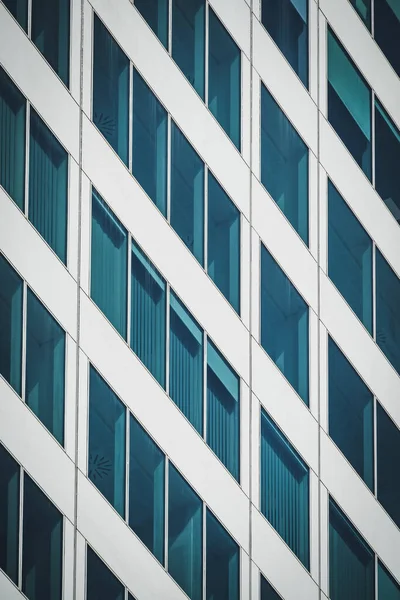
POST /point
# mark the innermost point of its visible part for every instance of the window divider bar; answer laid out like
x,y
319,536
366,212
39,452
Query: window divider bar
x,y
167,335
129,291
130,119
29,22
206,53
127,457
205,386
373,290
24,333
169,167
205,204
373,138
204,582
166,514
169,41
27,136
20,536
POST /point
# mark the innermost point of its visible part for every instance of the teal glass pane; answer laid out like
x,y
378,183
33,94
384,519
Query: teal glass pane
x,y
363,7
48,186
388,588
224,78
387,30
10,325
148,314
287,23
101,584
188,40
284,164
388,457
9,514
50,33
267,591
223,264
186,363
19,10
349,257
351,414
110,90
349,104
387,159
149,143
387,311
351,560
285,489
223,410
12,139
187,194
107,434
109,264
155,12
222,562
42,545
185,535
146,489
284,324
45,367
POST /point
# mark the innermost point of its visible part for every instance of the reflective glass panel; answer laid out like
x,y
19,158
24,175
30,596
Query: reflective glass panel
x,y
387,30
388,588
267,591
388,460
363,7
222,568
185,535
284,324
387,159
12,139
45,367
188,40
19,10
155,12
223,242
9,514
107,434
10,325
284,164
388,311
101,583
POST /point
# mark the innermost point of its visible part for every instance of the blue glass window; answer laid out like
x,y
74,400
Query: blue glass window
x,y
45,367
12,139
223,410
284,324
146,489
388,311
48,186
287,23
363,7
387,158
9,514
109,264
10,325
185,535
224,72
110,90
107,434
351,560
267,591
284,164
19,10
188,40
222,568
101,583
186,363
349,257
149,142
387,30
388,460
50,33
349,104
223,242
351,409
388,588
42,545
187,194
285,489
148,314
155,12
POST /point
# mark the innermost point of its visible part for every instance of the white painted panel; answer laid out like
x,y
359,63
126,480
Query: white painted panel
x,y
26,66
323,65
324,538
285,406
179,98
256,125
361,350
235,15
8,590
287,89
313,364
358,503
68,556
285,245
125,554
244,575
44,272
255,582
255,451
313,193
313,50
314,526
366,204
70,397
245,438
80,567
246,109
164,421
75,50
323,377
87,57
36,450
323,219
164,247
83,408
276,561
255,285
86,228
245,274
73,219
